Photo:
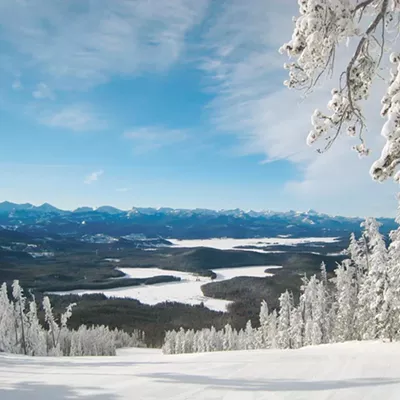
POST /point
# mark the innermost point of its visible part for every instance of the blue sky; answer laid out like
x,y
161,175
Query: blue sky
x,y
176,103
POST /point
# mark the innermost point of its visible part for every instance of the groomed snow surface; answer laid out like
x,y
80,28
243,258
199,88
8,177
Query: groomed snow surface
x,y
346,371
187,291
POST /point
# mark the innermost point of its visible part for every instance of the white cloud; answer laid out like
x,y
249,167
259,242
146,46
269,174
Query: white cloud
x,y
93,177
17,85
147,139
246,74
43,92
75,118
78,43
122,190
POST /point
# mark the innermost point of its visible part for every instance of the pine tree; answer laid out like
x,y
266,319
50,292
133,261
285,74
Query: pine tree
x,y
284,318
250,336
35,334
371,292
296,328
8,341
52,325
390,316
20,319
345,303
264,325
272,330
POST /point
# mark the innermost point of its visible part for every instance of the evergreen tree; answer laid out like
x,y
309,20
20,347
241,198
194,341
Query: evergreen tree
x,y
8,341
296,328
371,294
20,319
284,318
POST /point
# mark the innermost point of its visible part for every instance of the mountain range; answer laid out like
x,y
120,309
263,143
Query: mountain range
x,y
176,223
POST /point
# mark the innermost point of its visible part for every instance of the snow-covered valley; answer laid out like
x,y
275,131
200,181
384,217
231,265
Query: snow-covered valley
x,y
187,291
255,244
346,371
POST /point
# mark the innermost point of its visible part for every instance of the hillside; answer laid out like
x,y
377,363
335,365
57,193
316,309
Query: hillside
x,y
346,371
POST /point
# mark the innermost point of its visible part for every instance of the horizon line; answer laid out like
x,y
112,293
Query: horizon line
x,y
264,211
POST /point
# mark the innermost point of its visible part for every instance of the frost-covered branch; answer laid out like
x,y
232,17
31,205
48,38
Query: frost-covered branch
x,y
320,28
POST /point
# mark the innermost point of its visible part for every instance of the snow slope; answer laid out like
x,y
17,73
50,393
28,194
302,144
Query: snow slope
x,y
187,291
346,371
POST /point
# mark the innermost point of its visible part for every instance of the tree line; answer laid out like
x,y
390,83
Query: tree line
x,y
21,331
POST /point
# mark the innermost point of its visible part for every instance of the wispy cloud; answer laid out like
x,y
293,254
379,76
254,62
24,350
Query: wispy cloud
x,y
42,91
75,118
122,190
93,177
147,139
77,44
17,85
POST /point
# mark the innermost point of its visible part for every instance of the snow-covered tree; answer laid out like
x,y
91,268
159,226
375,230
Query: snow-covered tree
x,y
7,322
21,331
370,28
20,317
389,317
229,341
264,325
169,343
296,328
53,328
345,303
272,330
250,336
284,318
372,287
312,307
35,333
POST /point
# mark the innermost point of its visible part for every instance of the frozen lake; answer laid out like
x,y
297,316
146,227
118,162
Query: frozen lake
x,y
187,291
234,244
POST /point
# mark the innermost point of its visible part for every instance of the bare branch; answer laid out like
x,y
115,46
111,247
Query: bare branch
x,y
363,5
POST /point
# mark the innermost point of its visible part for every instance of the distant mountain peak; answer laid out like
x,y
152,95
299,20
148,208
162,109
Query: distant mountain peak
x,y
46,207
83,209
7,206
109,210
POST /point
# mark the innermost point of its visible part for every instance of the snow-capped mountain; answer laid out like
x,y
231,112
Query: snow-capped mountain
x,y
178,223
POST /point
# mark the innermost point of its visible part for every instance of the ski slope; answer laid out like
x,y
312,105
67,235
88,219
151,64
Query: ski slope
x,y
347,371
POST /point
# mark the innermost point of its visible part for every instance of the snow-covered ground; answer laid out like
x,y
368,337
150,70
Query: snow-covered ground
x,y
187,291
346,371
233,244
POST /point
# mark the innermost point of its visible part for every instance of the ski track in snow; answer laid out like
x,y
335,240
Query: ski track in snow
x,y
345,371
187,291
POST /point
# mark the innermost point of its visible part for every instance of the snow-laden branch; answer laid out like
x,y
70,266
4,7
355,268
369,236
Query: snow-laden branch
x,y
321,27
